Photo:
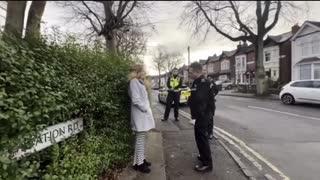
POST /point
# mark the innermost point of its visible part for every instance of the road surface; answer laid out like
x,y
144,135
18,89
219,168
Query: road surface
x,y
286,137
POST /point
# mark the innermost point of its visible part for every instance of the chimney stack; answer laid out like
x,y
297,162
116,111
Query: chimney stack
x,y
295,28
239,45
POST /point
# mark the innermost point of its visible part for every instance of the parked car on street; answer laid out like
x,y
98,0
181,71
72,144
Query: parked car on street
x,y
226,84
306,91
185,94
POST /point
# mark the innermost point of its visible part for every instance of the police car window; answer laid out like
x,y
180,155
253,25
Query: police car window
x,y
304,84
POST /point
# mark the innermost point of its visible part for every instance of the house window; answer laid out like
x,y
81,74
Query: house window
x,y
210,68
305,71
225,65
238,62
304,48
274,73
315,45
267,56
316,71
268,73
242,62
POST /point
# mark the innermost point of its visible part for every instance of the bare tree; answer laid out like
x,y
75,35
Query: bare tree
x,y
34,19
108,18
239,21
159,58
15,18
173,60
165,60
131,43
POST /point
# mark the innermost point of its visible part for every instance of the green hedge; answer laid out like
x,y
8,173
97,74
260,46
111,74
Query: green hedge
x,y
42,85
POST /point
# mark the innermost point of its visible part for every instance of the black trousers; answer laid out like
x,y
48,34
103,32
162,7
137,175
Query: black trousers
x,y
210,126
172,97
211,123
201,136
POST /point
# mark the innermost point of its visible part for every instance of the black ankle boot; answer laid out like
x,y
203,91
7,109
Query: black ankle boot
x,y
143,168
146,163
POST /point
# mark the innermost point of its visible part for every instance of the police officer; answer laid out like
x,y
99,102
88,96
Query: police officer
x,y
174,84
201,104
211,122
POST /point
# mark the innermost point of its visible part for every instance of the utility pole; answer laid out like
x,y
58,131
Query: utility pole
x,y
188,55
189,83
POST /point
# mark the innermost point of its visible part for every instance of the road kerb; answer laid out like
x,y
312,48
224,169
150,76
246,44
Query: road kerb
x,y
243,168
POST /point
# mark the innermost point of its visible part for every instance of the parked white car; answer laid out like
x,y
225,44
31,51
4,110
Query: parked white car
x,y
307,91
226,84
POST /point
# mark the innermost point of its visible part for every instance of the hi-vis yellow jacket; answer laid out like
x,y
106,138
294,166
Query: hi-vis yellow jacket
x,y
174,83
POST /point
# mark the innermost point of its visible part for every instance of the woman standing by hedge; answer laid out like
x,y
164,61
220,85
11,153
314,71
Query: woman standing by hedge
x,y
141,116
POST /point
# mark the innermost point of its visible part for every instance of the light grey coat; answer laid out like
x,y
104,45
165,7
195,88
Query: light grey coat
x,y
141,114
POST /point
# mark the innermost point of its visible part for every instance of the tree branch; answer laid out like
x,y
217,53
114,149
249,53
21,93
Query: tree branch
x,y
129,11
239,38
242,26
92,23
266,12
95,15
276,18
121,9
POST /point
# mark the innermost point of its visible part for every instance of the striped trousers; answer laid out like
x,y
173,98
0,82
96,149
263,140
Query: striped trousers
x,y
140,146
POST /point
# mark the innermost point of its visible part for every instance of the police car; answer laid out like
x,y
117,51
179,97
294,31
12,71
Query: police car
x,y
185,94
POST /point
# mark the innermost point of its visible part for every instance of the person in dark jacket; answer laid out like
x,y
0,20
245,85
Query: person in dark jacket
x,y
211,122
174,84
201,104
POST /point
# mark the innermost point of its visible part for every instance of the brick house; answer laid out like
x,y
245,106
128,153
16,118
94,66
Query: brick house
x,y
204,67
277,56
227,65
251,65
240,66
213,66
245,64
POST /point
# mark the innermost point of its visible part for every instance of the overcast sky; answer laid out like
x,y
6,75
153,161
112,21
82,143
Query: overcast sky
x,y
166,17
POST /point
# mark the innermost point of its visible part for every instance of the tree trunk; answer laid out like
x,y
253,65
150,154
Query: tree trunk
x,y
110,44
34,19
108,31
159,79
15,18
261,80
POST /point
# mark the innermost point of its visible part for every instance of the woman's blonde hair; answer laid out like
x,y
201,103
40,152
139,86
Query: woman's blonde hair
x,y
135,71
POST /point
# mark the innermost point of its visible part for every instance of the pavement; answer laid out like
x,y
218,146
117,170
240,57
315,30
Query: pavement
x,y
172,150
246,95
